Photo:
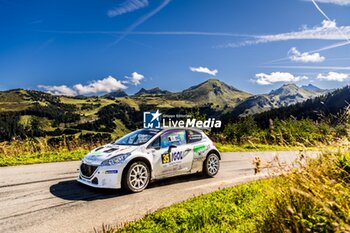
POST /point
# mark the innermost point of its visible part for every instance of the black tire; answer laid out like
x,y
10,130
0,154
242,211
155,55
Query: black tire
x,y
136,177
211,165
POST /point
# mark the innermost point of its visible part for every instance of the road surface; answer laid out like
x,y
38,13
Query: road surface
x,y
46,198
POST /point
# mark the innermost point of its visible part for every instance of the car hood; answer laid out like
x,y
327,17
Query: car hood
x,y
102,153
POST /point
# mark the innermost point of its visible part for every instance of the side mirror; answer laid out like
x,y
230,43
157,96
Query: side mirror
x,y
171,147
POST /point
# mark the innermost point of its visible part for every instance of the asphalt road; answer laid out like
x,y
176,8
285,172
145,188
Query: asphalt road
x,y
46,198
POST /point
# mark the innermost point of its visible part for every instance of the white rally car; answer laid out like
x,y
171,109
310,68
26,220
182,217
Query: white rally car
x,y
149,154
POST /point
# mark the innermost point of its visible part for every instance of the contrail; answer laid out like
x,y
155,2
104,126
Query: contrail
x,y
332,46
155,33
324,14
320,10
142,20
311,67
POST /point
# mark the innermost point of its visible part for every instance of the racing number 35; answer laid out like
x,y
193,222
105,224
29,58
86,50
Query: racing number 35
x,y
174,156
165,158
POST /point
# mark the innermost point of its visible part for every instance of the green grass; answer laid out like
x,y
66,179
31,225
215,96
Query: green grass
x,y
41,157
237,209
259,147
313,198
65,155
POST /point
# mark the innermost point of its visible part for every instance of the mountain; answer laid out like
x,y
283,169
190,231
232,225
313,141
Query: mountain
x,y
152,92
312,87
118,93
286,95
213,92
209,93
334,105
290,94
38,114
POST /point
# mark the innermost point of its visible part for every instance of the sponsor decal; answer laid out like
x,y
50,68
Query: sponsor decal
x,y
172,169
154,120
111,172
97,153
172,157
199,151
199,148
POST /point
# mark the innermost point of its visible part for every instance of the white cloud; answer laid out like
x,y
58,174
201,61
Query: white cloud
x,y
59,90
127,6
105,85
306,57
205,70
275,77
333,76
135,78
327,31
337,2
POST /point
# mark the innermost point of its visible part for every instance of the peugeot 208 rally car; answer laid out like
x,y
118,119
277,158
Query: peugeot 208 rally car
x,y
149,154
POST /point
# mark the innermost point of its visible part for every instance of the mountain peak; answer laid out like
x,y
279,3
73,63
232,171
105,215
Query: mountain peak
x,y
212,84
118,93
289,88
152,91
311,87
213,80
214,91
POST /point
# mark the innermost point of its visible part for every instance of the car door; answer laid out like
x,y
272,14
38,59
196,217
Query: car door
x,y
173,156
200,147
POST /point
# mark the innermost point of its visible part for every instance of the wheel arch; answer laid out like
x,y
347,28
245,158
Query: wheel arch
x,y
142,159
213,151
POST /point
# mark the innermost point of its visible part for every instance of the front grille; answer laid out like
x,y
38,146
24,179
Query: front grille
x,y
87,170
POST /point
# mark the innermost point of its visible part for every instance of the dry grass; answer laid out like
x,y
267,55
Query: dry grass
x,y
314,198
311,196
38,150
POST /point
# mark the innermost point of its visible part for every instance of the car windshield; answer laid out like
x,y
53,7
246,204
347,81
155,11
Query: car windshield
x,y
138,137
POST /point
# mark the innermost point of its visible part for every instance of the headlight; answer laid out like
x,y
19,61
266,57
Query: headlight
x,y
115,160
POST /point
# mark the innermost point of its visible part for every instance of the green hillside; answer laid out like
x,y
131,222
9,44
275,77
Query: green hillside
x,y
27,113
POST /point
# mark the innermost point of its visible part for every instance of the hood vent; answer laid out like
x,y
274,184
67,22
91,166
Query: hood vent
x,y
99,148
111,150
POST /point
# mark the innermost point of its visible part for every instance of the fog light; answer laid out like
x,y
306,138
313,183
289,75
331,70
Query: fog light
x,y
94,180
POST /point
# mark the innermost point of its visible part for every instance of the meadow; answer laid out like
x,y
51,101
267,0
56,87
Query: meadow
x,y
313,198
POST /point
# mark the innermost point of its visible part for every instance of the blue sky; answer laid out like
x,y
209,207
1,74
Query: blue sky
x,y
93,46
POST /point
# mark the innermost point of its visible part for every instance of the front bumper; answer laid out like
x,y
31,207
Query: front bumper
x,y
103,177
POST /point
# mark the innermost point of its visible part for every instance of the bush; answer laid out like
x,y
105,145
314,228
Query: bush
x,y
305,131
245,127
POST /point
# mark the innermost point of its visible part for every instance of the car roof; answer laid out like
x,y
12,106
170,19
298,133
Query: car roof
x,y
162,129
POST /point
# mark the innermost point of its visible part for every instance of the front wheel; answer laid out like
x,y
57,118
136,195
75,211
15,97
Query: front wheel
x,y
211,165
137,177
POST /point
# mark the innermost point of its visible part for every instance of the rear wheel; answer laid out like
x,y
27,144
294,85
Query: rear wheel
x,y
136,177
211,165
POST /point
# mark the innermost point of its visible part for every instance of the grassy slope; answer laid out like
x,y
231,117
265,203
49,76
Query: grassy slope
x,y
241,206
315,198
15,100
41,157
64,155
259,147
